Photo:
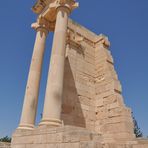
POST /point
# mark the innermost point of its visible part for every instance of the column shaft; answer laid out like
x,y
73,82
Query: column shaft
x,y
53,97
32,89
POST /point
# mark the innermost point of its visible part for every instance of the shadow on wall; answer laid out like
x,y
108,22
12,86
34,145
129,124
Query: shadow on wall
x,y
71,109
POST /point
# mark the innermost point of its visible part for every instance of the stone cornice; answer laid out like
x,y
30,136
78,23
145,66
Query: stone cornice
x,y
79,34
102,39
42,5
77,37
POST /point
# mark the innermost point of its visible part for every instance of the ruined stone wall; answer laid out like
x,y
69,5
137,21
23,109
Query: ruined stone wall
x,y
92,92
79,90
91,99
113,118
5,145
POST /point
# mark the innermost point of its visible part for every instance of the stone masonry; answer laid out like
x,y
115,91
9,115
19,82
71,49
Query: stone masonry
x,y
83,106
5,145
92,92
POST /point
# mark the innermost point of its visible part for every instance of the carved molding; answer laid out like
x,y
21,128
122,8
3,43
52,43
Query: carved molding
x,y
78,38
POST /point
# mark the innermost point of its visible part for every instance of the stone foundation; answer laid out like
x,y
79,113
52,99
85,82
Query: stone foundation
x,y
62,137
5,145
69,137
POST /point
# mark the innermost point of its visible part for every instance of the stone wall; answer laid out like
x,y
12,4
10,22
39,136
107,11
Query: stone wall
x,y
93,111
113,118
68,137
92,96
5,145
79,88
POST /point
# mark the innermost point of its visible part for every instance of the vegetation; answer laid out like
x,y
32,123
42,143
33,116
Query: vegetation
x,y
137,130
5,139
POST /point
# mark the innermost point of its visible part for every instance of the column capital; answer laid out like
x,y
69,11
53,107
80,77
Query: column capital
x,y
43,24
69,5
48,9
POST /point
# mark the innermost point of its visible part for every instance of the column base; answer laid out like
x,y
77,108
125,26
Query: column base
x,y
51,122
26,126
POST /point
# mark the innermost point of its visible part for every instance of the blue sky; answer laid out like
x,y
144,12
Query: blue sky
x,y
125,22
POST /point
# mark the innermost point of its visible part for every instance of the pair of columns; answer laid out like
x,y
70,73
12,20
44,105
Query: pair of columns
x,y
54,89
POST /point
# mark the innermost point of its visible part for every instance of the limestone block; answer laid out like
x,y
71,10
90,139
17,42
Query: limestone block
x,y
99,102
89,59
90,127
104,82
111,75
85,93
84,68
119,111
101,89
99,68
38,146
71,58
105,55
105,65
99,78
114,105
86,101
75,136
85,87
72,52
23,140
102,59
119,136
39,139
91,115
113,99
85,79
101,114
88,50
69,145
54,138
140,146
19,146
117,128
106,94
117,119
87,145
84,107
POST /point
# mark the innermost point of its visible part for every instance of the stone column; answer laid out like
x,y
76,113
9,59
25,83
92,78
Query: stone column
x,y
32,89
53,97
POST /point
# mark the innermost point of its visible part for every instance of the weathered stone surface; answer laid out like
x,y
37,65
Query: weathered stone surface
x,y
83,95
69,136
5,145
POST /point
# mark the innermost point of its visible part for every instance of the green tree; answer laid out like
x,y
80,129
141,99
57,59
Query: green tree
x,y
5,139
137,130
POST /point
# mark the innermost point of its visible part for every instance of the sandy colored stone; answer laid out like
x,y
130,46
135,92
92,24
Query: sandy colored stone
x,y
84,106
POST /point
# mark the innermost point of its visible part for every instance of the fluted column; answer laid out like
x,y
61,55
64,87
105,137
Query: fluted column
x,y
54,89
32,89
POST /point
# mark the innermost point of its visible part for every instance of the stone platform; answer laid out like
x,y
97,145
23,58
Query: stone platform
x,y
68,137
